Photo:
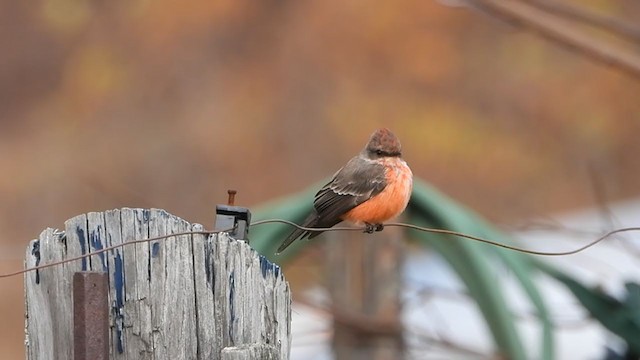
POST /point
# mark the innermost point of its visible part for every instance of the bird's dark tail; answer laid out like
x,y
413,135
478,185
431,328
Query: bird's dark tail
x,y
311,221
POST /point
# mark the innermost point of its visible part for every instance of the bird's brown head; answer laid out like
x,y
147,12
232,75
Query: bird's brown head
x,y
383,143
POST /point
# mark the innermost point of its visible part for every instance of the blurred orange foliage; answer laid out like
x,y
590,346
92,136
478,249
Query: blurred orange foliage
x,y
167,104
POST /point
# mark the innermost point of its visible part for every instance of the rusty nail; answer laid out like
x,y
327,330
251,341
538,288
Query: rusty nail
x,y
232,196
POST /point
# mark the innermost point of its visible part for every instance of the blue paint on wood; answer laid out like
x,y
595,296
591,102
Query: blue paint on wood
x,y
118,305
208,266
95,243
268,267
155,249
35,251
83,246
232,308
265,266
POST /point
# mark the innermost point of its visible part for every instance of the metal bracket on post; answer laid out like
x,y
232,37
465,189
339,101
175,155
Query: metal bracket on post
x,y
90,316
236,217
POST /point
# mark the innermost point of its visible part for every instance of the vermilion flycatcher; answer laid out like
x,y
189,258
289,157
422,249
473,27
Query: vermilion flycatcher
x,y
372,188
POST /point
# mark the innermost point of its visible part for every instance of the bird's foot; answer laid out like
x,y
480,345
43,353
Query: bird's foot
x,y
370,228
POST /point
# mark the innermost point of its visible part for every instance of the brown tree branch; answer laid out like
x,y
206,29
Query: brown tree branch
x,y
608,23
557,30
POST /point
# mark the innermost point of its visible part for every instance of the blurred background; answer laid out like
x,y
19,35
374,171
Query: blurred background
x,y
105,104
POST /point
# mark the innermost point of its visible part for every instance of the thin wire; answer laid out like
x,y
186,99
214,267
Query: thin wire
x,y
515,248
455,233
100,251
271,221
317,229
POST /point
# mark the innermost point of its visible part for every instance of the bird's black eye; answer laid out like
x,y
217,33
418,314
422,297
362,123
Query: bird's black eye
x,y
379,152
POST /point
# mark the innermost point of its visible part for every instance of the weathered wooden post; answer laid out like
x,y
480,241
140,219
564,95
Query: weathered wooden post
x,y
185,297
364,281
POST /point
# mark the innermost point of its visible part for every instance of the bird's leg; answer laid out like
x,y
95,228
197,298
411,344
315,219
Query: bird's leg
x,y
370,228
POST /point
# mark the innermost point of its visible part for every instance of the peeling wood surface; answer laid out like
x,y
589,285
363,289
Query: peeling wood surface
x,y
250,352
186,297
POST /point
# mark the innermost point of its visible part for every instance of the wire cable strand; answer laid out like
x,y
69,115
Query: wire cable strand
x,y
105,249
459,234
338,228
515,248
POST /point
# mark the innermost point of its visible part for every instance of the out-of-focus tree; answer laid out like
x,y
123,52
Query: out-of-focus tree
x,y
166,104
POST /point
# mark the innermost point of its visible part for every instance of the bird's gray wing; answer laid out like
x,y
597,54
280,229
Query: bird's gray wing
x,y
355,183
352,185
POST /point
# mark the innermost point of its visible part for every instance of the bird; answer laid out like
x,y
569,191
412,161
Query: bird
x,y
373,187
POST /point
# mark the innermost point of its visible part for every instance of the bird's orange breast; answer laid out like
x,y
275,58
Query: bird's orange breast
x,y
391,201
